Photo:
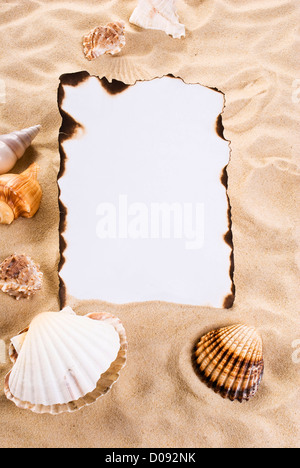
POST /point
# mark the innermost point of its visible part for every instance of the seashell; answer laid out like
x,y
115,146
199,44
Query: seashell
x,y
20,195
64,361
230,361
127,70
14,145
158,14
109,39
20,277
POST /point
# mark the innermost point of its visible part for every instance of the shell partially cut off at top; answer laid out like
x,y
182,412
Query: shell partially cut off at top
x,y
109,39
20,277
13,146
20,195
158,14
65,361
230,361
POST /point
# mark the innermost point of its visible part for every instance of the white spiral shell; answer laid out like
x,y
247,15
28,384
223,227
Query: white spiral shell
x,y
13,146
61,360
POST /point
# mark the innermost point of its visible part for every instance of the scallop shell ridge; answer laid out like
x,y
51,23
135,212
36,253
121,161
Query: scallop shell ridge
x,y
230,361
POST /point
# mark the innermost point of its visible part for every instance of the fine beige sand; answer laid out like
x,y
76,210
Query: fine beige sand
x,y
249,51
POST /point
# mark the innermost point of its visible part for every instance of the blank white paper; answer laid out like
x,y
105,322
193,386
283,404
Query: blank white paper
x,y
146,209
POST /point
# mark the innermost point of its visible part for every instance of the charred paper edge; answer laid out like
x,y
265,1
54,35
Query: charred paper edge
x,y
228,237
68,129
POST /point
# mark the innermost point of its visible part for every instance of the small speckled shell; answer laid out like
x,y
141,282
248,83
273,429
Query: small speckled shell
x,y
20,277
230,361
109,39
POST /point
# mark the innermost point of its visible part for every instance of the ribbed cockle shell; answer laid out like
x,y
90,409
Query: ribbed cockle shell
x,y
13,146
20,195
230,361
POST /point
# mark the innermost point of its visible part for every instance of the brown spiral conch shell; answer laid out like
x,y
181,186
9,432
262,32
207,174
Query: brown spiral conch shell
x,y
109,39
20,195
13,146
20,277
230,361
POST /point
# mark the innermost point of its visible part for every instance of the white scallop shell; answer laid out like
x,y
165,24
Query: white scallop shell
x,y
65,361
14,145
158,14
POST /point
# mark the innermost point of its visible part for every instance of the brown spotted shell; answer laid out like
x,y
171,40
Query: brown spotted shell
x,y
20,277
230,361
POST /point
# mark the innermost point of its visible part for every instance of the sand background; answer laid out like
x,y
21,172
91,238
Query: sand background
x,y
247,50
